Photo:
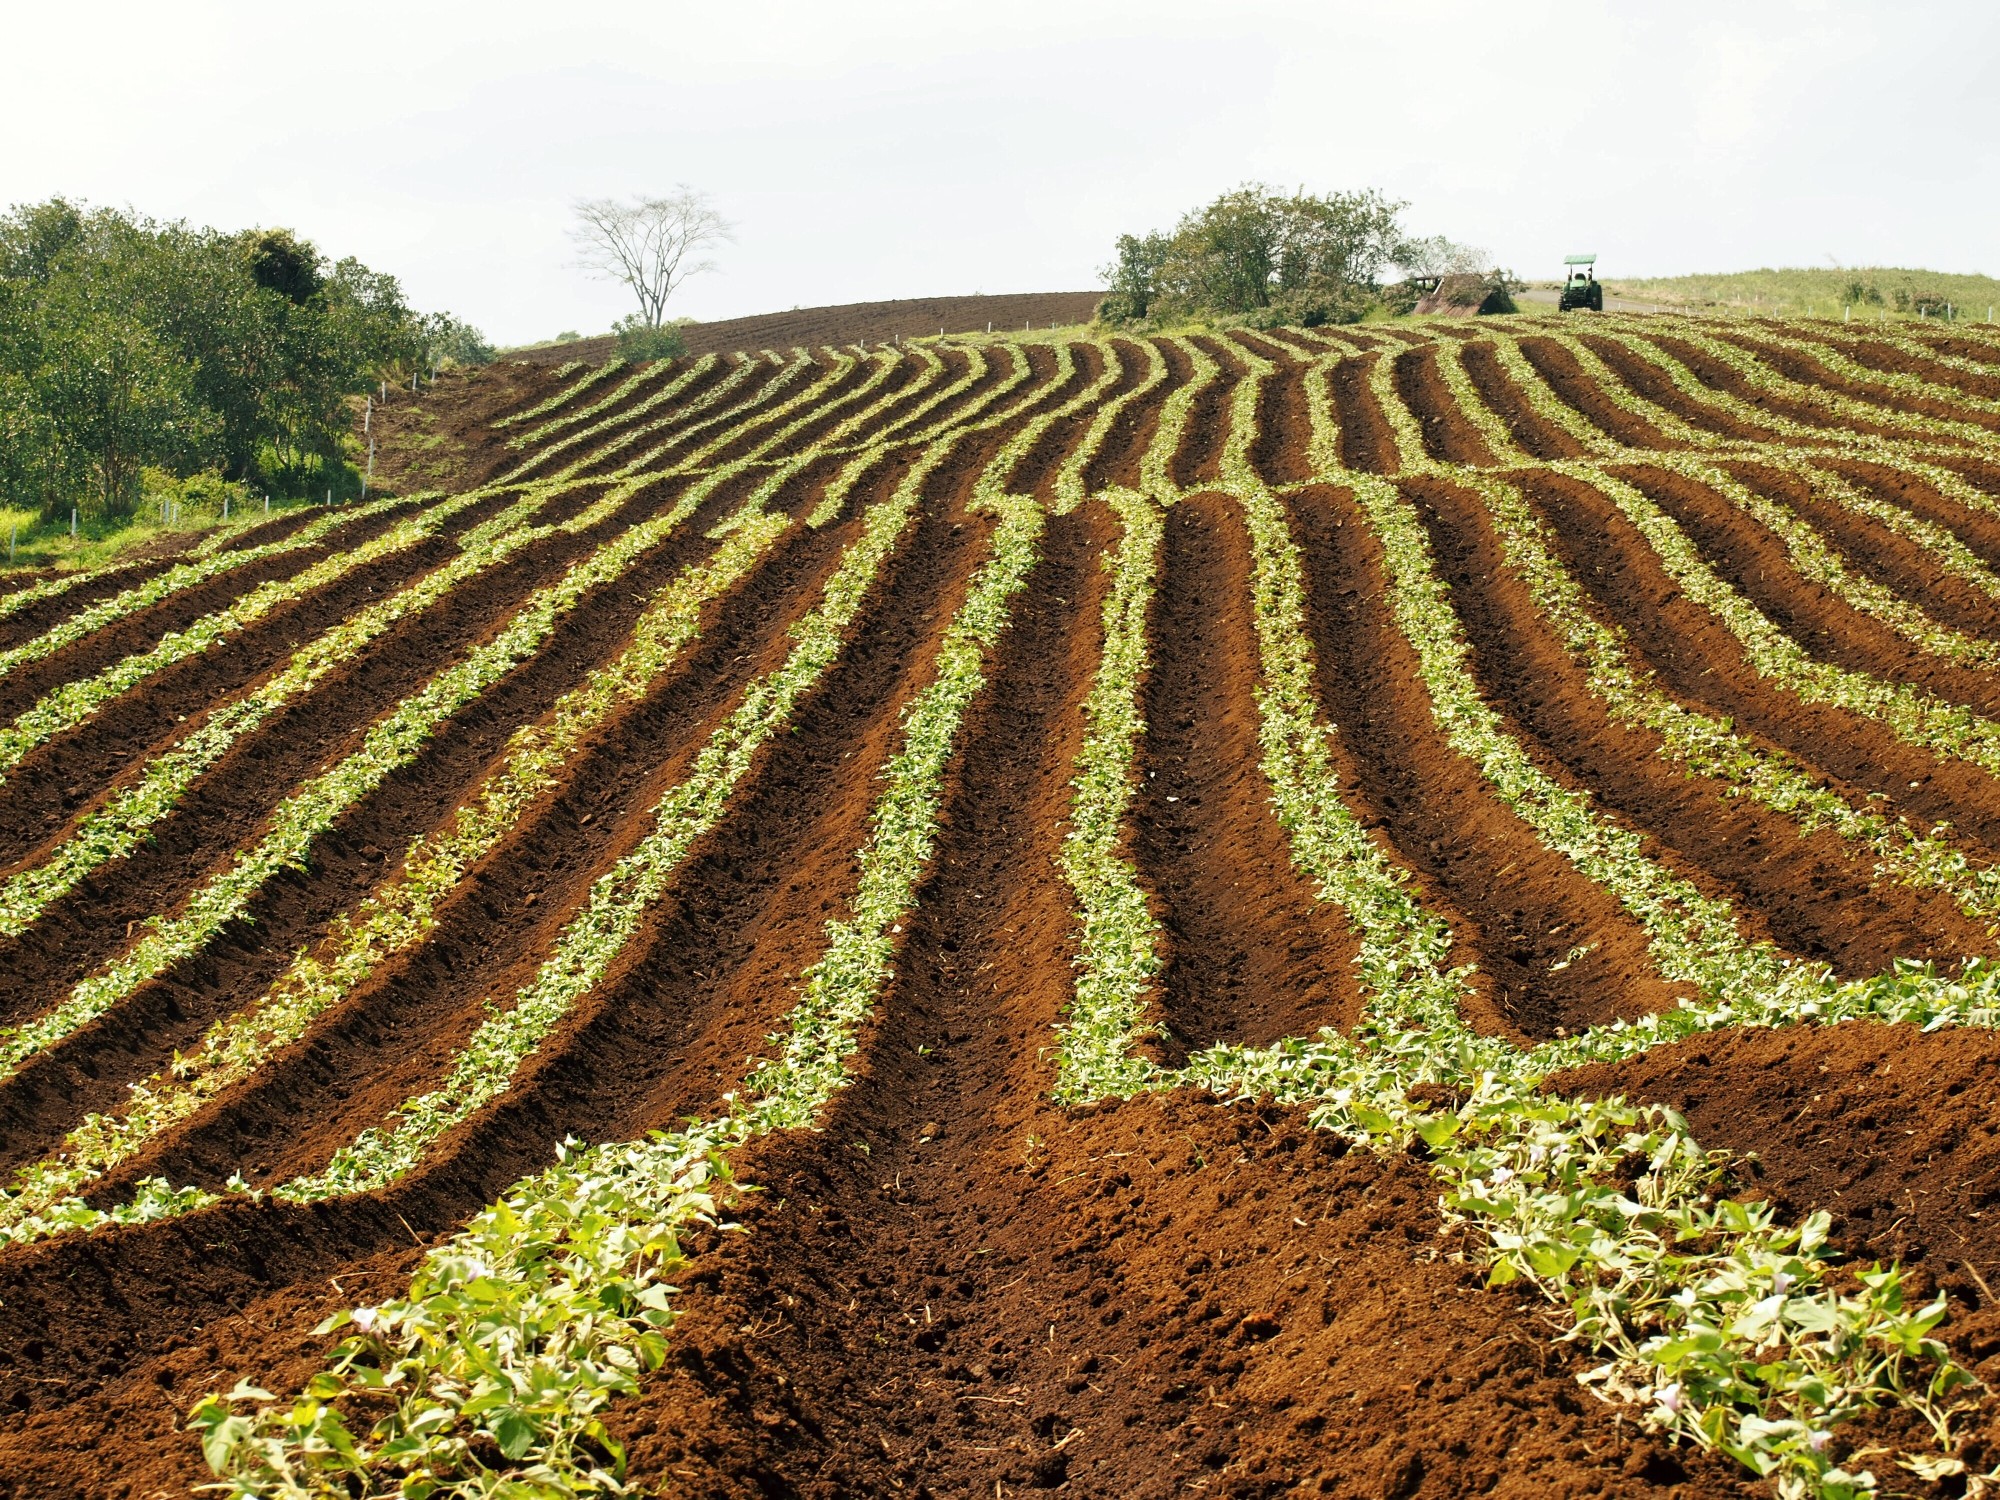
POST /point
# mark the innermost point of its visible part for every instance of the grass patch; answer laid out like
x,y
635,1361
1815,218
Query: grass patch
x,y
1804,291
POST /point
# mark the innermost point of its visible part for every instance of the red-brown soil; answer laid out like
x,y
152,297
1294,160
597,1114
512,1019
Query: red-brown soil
x,y
954,1287
850,323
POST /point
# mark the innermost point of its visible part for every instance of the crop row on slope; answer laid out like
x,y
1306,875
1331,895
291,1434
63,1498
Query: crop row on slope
x,y
1447,415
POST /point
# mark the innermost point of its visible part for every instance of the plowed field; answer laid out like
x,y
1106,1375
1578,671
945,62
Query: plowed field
x,y
851,322
1371,912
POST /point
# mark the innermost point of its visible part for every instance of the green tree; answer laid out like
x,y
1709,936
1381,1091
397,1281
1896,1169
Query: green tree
x,y
453,341
1133,279
1261,257
126,342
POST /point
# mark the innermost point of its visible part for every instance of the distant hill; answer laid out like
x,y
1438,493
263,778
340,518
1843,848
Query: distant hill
x,y
850,322
1823,291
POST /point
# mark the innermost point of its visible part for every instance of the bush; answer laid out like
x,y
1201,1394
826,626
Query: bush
x,y
195,496
638,339
1259,257
450,341
127,343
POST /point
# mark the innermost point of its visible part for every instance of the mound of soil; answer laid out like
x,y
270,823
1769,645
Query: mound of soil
x,y
849,323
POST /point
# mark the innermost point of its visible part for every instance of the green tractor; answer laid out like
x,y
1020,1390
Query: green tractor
x,y
1581,288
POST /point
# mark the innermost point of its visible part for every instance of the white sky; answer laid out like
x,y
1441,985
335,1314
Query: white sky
x,y
895,149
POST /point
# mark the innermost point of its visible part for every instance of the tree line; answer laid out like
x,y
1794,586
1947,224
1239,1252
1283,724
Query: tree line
x,y
1264,259
127,344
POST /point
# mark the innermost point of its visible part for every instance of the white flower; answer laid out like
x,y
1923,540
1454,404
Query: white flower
x,y
364,1318
1781,1283
1669,1396
1501,1175
1817,1438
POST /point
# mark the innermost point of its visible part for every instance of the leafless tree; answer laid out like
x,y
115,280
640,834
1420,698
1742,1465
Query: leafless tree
x,y
1437,257
650,244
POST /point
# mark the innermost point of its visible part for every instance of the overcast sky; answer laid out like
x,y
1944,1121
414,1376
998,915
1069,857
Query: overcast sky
x,y
891,149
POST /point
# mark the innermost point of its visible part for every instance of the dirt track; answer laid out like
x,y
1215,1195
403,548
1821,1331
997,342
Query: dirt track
x,y
953,1286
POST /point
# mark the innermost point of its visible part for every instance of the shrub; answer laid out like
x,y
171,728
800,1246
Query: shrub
x,y
638,339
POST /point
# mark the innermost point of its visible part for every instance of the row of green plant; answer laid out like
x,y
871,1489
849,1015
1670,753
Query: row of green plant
x,y
401,911
1945,548
1818,560
1918,457
671,383
1825,350
591,375
1949,730
126,820
1069,490
829,505
1923,349
393,919
815,407
1706,744
1838,407
1547,405
394,741
1773,1413
1156,464
184,575
703,1171
64,707
977,364
494,1371
1810,1444
1718,1319
1117,933
716,396
619,901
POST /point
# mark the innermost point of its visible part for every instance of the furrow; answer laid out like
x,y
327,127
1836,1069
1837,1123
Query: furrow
x,y
622,396
1711,747
1366,443
592,376
794,1086
552,803
116,829
62,709
131,605
1449,435
1822,367
603,949
1112,440
1710,647
393,742
614,435
1809,895
1248,954
1782,568
1517,907
1585,392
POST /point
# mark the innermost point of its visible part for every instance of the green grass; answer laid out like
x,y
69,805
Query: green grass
x,y
1805,291
39,544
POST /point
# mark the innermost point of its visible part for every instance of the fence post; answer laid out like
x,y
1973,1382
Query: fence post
x,y
72,523
267,505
